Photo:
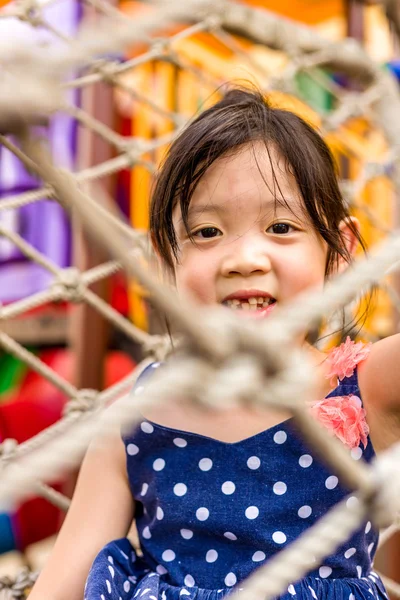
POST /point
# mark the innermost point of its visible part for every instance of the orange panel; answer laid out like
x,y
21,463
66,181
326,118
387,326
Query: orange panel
x,y
307,11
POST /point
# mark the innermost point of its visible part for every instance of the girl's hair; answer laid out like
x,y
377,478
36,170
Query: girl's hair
x,y
244,116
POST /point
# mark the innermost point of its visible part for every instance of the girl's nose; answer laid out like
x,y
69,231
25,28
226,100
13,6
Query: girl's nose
x,y
245,260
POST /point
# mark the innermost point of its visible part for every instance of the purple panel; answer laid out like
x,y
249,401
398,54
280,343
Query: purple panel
x,y
43,224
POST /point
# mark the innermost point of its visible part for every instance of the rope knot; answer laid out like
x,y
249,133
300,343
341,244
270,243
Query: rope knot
x,y
213,22
84,401
70,285
15,589
159,346
384,501
8,449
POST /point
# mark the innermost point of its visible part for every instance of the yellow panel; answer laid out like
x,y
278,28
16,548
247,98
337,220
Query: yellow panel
x,y
141,184
164,86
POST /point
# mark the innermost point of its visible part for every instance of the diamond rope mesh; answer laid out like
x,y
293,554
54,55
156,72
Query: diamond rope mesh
x,y
243,365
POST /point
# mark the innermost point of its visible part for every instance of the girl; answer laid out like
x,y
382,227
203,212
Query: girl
x,y
246,213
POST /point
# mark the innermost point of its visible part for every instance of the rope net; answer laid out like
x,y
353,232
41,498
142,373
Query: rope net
x,y
162,66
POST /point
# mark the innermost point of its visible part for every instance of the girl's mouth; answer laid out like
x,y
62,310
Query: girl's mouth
x,y
255,307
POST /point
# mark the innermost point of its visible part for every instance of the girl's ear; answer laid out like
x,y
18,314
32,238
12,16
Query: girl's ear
x,y
348,228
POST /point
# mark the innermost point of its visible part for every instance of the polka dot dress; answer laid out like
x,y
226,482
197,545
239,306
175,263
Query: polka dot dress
x,y
209,513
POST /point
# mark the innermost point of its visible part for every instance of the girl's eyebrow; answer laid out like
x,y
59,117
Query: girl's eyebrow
x,y
204,208
265,207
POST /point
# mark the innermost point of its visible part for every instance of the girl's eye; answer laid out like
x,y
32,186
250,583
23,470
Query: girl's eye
x,y
280,228
207,233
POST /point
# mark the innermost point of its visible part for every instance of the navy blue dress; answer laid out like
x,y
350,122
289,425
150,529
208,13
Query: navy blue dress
x,y
209,513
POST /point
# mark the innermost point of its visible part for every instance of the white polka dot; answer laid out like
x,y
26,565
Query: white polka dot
x,y
159,464
324,572
258,556
102,597
111,560
211,556
304,511
146,533
160,513
180,489
331,482
350,552
168,555
145,487
279,537
112,572
371,547
280,488
313,594
132,449
146,427
252,512
352,597
187,534
305,461
253,462
127,586
368,527
280,437
352,502
291,590
180,442
205,464
183,592
108,584
359,571
230,535
161,570
189,581
202,513
230,579
356,453
228,487
138,390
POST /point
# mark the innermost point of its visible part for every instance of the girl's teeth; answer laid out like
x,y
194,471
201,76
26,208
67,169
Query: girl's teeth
x,y
249,304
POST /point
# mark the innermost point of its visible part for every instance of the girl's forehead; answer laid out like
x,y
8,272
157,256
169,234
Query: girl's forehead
x,y
252,175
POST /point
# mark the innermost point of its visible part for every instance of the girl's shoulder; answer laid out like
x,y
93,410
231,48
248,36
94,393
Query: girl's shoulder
x,y
379,382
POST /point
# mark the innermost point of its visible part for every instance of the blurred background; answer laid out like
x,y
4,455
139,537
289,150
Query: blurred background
x,y
114,131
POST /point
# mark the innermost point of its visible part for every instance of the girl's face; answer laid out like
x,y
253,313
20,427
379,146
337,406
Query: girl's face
x,y
251,253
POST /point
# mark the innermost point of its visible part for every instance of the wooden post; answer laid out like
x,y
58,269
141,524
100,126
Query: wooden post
x,y
89,331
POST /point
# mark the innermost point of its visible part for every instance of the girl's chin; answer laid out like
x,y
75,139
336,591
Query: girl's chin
x,y
261,313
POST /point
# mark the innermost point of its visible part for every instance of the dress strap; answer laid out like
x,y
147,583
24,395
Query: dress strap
x,y
342,361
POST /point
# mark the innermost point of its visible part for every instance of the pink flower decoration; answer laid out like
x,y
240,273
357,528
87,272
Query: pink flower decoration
x,y
343,359
344,416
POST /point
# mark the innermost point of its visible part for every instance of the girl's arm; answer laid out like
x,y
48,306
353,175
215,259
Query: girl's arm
x,y
101,510
379,380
